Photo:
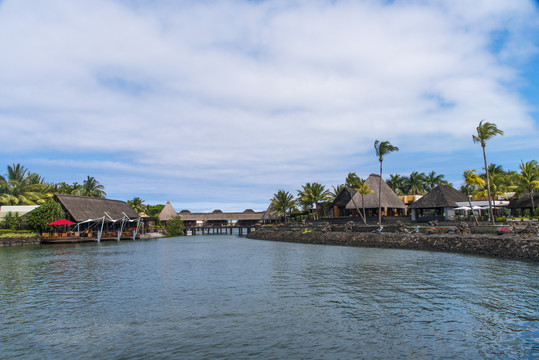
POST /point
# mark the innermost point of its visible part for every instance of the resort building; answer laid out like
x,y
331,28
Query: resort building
x,y
16,210
438,204
348,201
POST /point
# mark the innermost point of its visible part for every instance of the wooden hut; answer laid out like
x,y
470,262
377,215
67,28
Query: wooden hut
x,y
338,205
167,212
390,202
437,204
83,208
523,203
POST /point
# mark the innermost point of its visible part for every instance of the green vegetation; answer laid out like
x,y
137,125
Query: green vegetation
x,y
39,218
311,195
282,202
382,149
485,131
174,226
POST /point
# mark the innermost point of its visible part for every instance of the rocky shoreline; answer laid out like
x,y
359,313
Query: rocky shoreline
x,y
509,246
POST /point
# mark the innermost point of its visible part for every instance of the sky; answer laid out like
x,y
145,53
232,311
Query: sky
x,y
214,104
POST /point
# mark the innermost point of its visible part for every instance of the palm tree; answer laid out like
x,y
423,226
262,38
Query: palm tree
x,y
396,183
355,182
137,204
364,190
432,180
282,201
336,191
472,179
19,189
528,180
92,187
312,194
415,183
382,148
485,131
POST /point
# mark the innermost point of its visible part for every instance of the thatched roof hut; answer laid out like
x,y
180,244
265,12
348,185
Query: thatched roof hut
x,y
167,212
82,208
437,204
524,202
389,200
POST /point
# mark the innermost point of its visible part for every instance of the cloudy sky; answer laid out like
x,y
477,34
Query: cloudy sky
x,y
218,104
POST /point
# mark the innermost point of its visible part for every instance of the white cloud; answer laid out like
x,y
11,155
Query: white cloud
x,y
275,92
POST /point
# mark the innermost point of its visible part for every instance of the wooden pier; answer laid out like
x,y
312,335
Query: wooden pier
x,y
217,230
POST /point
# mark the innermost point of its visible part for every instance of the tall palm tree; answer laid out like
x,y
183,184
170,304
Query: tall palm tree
x,y
17,172
18,188
528,180
137,204
312,195
92,187
382,149
472,179
282,201
485,131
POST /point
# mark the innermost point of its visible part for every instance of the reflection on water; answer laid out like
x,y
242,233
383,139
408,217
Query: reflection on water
x,y
229,297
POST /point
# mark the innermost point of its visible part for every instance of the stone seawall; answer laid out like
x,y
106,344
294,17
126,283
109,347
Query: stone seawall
x,y
504,246
36,240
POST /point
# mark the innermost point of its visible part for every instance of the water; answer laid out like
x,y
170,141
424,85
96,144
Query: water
x,y
209,297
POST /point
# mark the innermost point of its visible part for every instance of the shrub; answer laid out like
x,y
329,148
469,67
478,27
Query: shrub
x,y
48,212
174,226
11,221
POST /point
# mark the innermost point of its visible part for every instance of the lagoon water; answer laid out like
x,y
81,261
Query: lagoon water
x,y
225,297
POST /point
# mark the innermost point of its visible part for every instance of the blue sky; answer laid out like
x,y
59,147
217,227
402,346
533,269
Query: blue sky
x,y
218,104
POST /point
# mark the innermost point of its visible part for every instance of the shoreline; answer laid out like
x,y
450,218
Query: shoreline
x,y
518,247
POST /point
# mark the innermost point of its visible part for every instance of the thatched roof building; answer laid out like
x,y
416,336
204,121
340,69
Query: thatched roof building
x,y
167,212
524,202
437,204
82,208
338,205
390,202
220,217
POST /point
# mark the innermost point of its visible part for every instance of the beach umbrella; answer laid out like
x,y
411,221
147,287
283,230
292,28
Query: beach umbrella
x,y
62,222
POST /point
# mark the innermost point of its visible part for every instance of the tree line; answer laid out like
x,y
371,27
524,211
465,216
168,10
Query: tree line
x,y
494,182
20,186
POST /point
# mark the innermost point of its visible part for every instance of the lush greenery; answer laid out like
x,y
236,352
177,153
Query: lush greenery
x,y
39,218
174,226
493,183
19,186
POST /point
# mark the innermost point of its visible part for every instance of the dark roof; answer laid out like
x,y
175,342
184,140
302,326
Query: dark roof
x,y
343,197
524,202
439,197
388,197
223,216
82,208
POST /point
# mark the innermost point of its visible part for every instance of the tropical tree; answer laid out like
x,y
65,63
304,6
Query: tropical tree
x,y
50,211
282,202
19,187
432,180
312,194
174,226
355,182
92,187
472,179
397,183
485,131
382,148
364,190
336,191
137,204
415,183
528,180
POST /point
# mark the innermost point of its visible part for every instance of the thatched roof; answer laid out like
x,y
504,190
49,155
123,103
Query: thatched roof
x,y
440,197
270,214
167,212
82,208
388,199
344,197
523,202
